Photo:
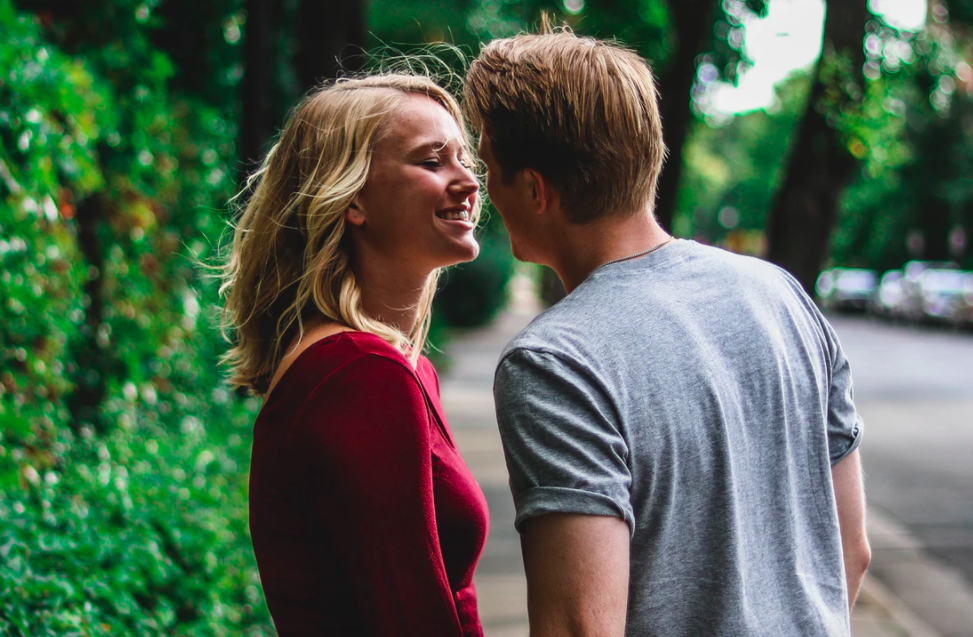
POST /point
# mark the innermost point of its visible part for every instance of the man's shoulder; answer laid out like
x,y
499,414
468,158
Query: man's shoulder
x,y
539,336
745,275
730,264
646,297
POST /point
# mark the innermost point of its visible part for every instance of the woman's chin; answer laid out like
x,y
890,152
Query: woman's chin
x,y
464,251
474,251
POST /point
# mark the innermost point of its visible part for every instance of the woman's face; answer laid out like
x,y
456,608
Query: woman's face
x,y
415,208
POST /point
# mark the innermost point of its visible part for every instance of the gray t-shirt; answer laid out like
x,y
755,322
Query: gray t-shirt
x,y
701,397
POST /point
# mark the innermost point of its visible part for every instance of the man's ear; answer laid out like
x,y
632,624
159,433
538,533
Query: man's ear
x,y
354,215
541,191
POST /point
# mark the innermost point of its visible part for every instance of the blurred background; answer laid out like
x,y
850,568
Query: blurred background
x,y
835,139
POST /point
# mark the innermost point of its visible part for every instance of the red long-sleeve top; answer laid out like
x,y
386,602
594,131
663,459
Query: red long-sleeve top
x,y
364,518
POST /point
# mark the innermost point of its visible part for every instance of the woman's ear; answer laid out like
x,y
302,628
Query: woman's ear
x,y
354,215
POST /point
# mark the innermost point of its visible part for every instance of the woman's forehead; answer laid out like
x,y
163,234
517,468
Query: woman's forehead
x,y
421,121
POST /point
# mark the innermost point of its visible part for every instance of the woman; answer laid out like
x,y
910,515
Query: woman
x,y
364,518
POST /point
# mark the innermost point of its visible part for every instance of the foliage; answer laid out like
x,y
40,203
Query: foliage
x,y
911,133
140,532
733,170
913,196
728,55
50,108
474,292
123,457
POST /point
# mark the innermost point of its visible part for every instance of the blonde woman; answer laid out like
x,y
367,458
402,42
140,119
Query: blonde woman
x,y
365,520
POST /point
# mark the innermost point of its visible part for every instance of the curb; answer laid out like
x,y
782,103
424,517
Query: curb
x,y
901,615
926,597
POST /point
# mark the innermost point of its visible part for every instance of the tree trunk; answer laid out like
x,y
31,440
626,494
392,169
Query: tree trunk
x,y
258,121
935,221
821,166
330,40
963,253
693,20
91,359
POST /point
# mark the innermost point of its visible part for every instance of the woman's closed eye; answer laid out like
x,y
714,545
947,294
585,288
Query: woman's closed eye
x,y
436,162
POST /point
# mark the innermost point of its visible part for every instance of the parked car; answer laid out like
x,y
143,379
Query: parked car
x,y
963,308
848,289
888,297
912,305
940,292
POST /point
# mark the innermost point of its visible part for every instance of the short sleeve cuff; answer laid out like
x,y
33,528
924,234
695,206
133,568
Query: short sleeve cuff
x,y
542,500
855,440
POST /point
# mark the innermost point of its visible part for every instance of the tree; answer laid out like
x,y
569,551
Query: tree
x,y
823,162
122,456
290,49
733,170
330,37
912,199
692,22
943,137
259,118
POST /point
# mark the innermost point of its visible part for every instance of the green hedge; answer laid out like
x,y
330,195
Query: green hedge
x,y
471,294
123,457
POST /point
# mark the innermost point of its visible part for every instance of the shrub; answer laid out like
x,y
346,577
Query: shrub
x,y
471,294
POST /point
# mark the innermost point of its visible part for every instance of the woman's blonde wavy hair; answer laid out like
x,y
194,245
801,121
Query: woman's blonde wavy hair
x,y
290,259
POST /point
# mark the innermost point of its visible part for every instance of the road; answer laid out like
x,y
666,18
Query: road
x,y
914,389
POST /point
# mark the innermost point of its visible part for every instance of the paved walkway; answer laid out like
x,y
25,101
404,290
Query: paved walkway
x,y
468,401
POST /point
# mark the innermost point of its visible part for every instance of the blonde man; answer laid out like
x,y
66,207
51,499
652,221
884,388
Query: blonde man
x,y
680,431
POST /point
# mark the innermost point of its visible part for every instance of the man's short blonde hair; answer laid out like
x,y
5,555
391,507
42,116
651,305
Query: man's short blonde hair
x,y
580,111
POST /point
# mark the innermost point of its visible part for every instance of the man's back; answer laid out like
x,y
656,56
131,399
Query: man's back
x,y
699,396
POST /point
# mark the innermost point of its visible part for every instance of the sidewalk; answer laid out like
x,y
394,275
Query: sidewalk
x,y
468,401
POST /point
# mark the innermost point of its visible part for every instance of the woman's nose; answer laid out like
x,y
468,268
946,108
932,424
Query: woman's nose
x,y
466,182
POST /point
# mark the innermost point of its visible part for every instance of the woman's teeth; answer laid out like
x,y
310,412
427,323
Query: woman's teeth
x,y
454,215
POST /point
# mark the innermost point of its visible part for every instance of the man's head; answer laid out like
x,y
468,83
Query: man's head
x,y
579,112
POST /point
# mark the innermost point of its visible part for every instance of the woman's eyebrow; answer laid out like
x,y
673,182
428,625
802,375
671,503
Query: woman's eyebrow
x,y
432,145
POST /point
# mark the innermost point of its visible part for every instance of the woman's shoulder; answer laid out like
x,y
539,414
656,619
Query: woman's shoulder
x,y
427,372
335,356
347,389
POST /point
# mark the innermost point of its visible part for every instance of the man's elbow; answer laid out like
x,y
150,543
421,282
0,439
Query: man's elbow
x,y
858,557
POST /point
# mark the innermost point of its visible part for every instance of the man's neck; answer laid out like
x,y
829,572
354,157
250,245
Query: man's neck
x,y
581,248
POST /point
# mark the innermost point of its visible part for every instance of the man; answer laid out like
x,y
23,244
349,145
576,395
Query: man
x,y
679,430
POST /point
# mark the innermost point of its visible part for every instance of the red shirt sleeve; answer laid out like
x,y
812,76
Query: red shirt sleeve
x,y
369,452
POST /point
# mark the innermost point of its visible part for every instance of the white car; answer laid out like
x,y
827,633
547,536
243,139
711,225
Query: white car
x,y
846,288
941,292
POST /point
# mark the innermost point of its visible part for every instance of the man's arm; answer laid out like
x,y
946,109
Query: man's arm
x,y
570,479
850,496
577,575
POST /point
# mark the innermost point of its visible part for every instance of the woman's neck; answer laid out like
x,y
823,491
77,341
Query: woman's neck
x,y
391,297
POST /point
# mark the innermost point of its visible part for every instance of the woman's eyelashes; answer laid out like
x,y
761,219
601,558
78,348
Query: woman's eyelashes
x,y
437,162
